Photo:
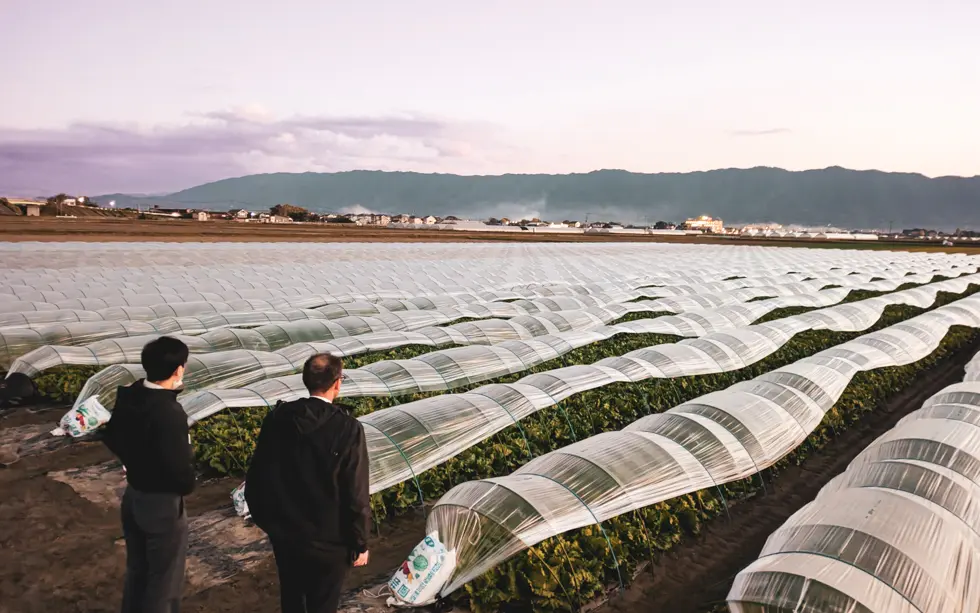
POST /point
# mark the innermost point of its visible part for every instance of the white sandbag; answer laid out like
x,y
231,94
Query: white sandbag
x,y
238,499
423,574
88,417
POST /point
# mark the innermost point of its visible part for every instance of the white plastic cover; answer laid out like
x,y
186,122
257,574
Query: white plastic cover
x,y
405,440
27,330
717,438
106,343
899,530
717,352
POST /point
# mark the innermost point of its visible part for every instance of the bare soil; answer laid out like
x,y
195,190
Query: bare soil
x,y
61,548
92,229
60,535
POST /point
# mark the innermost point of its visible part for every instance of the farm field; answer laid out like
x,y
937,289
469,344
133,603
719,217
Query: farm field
x,y
100,229
596,424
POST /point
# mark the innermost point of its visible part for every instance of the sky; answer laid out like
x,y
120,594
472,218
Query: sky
x,y
107,96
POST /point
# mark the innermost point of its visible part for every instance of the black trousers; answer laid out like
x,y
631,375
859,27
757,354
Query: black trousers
x,y
155,527
309,584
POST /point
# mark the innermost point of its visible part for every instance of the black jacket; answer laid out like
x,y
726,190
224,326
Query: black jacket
x,y
307,485
148,432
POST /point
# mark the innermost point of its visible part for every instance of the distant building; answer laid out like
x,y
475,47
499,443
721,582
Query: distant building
x,y
705,223
920,233
429,220
277,219
238,214
201,215
761,228
31,207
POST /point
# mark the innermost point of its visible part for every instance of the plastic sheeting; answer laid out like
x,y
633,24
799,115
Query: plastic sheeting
x,y
555,333
717,438
335,321
84,344
720,351
899,530
85,270
28,331
20,341
82,279
375,334
403,441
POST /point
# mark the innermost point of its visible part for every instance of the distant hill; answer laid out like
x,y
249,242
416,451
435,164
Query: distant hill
x,y
836,196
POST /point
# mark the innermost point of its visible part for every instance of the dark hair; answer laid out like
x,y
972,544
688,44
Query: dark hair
x,y
161,358
321,371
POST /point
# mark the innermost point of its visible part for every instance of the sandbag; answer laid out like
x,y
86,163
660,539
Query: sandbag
x,y
88,417
423,574
238,499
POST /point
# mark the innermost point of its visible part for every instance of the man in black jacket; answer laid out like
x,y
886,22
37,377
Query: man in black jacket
x,y
148,432
307,488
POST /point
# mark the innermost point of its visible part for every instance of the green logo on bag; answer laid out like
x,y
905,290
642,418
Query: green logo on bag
x,y
420,563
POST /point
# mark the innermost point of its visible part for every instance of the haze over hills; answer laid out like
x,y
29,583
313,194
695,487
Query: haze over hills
x,y
835,196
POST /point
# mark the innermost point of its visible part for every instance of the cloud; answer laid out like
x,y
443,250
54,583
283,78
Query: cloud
x,y
768,132
97,158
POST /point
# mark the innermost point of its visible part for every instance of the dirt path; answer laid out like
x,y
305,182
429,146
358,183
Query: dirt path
x,y
60,537
699,573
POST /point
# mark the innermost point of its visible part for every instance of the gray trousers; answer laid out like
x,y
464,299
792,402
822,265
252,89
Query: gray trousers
x,y
155,527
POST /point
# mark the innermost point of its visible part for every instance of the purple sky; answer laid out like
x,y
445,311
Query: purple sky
x,y
119,95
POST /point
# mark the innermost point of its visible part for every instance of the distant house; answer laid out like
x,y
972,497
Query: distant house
x,y
429,220
238,214
277,219
201,215
705,223
417,220
30,206
70,201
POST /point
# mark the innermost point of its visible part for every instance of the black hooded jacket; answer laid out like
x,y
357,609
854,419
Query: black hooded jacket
x,y
307,485
148,432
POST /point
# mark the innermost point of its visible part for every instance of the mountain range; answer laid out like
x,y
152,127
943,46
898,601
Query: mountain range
x,y
831,196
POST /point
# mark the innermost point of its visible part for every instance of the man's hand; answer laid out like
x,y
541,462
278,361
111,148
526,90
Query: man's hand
x,y
362,559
